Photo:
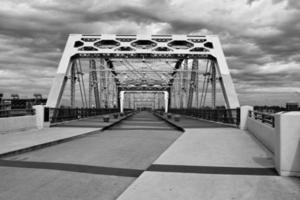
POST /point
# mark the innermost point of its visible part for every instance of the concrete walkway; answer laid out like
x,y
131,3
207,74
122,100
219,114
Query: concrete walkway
x,y
229,147
11,142
97,166
213,163
16,141
143,158
192,122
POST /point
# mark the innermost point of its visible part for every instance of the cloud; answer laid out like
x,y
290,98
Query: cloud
x,y
260,37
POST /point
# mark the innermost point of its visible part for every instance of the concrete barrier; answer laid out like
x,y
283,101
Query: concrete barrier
x,y
17,123
283,140
40,117
287,151
264,133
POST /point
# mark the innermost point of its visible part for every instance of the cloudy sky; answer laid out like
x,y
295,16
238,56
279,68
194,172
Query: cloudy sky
x,y
261,38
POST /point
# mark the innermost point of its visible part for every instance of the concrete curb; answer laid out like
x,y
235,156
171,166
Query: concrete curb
x,y
116,122
59,141
170,122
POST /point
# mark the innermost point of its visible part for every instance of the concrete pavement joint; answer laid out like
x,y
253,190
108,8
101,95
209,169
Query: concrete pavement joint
x,y
128,172
111,171
213,170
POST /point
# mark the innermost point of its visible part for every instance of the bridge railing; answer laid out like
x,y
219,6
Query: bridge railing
x,y
16,112
67,114
230,116
263,117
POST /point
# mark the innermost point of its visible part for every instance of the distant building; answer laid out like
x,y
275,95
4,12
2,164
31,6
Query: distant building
x,y
291,106
15,102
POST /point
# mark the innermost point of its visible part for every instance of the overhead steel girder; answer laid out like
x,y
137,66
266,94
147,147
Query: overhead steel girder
x,y
143,88
111,66
143,47
177,66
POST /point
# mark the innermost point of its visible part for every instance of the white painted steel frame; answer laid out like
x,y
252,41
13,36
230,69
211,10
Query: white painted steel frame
x,y
198,47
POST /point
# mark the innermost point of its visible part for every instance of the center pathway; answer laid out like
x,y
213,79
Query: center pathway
x,y
98,166
143,121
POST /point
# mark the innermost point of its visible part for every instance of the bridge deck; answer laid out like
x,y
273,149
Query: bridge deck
x,y
98,166
187,122
138,159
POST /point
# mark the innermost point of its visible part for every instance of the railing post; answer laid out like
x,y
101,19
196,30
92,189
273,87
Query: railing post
x,y
216,115
40,116
244,113
238,116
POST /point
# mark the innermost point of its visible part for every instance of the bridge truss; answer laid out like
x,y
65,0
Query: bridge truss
x,y
178,71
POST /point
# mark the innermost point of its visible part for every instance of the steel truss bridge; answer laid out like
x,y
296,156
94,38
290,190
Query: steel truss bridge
x,y
130,71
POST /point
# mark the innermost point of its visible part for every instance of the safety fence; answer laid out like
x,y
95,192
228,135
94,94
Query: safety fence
x,y
16,112
263,117
67,114
230,116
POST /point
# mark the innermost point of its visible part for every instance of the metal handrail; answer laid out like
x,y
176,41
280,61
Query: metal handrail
x,y
67,114
229,116
263,117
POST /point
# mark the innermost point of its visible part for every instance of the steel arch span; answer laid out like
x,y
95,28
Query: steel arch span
x,y
102,67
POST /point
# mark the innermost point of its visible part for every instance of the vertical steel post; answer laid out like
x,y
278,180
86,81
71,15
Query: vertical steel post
x,y
185,82
213,84
106,89
118,97
101,65
197,87
94,82
166,95
90,86
73,82
181,89
122,101
192,83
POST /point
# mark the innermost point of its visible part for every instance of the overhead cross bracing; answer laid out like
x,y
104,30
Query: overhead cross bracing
x,y
189,68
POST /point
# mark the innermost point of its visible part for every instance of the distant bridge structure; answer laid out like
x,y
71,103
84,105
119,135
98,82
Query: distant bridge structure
x,y
123,71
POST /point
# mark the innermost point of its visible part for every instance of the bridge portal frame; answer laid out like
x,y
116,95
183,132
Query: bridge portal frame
x,y
144,47
122,94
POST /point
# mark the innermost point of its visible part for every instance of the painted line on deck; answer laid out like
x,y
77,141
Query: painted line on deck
x,y
73,168
145,129
137,172
213,170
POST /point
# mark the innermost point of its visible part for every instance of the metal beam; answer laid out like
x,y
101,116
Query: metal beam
x,y
213,85
177,47
95,83
73,82
192,83
175,70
